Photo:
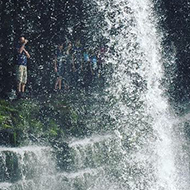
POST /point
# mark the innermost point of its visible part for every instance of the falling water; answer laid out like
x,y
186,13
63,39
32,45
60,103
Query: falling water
x,y
141,143
141,109
25,168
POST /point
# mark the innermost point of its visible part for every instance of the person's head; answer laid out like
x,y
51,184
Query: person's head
x,y
60,46
22,40
77,42
69,44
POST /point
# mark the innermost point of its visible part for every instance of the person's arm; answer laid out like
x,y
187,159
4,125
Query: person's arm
x,y
82,66
22,48
98,54
68,50
55,64
82,62
73,63
92,72
27,54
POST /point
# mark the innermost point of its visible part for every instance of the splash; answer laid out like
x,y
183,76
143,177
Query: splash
x,y
139,144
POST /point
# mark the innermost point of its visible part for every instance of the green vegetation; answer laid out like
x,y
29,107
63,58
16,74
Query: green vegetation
x,y
47,119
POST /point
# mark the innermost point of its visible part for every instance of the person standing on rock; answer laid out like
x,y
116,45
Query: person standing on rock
x,y
61,66
77,63
22,56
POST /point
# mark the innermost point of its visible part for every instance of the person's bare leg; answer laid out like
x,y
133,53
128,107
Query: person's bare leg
x,y
60,84
23,87
66,86
19,87
56,84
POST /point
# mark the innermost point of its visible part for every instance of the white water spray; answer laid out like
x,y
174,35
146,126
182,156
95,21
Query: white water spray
x,y
143,150
138,61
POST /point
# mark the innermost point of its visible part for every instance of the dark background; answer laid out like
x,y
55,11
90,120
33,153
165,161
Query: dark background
x,y
176,25
46,22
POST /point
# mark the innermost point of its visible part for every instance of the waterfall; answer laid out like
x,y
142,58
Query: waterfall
x,y
140,107
25,168
138,142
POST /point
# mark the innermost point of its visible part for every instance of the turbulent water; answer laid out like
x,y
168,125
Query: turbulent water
x,y
141,144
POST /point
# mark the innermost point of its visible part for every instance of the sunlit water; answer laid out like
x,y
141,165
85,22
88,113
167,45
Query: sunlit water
x,y
145,146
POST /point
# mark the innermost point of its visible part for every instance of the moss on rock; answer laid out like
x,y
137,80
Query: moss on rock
x,y
49,119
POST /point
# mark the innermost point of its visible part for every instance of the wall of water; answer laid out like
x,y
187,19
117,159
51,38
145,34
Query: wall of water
x,y
25,168
138,143
145,126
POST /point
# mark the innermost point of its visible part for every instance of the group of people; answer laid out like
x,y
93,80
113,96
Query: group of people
x,y
77,66
74,65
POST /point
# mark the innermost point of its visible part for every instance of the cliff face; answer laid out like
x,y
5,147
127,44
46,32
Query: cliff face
x,y
43,25
174,22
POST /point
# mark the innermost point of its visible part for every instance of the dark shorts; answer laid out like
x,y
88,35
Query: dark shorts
x,y
60,70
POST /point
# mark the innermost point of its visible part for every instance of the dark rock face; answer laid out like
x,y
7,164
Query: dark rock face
x,y
175,21
44,24
9,166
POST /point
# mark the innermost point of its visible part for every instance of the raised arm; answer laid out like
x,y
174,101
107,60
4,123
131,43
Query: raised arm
x,y
27,54
21,49
55,63
73,63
